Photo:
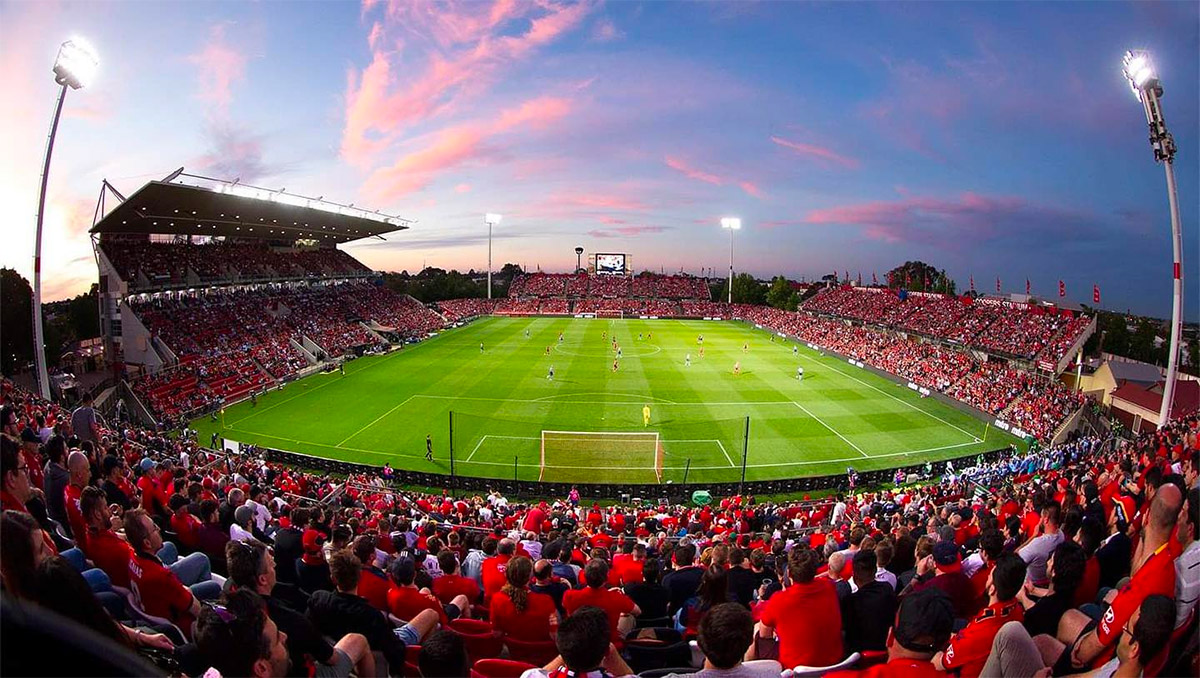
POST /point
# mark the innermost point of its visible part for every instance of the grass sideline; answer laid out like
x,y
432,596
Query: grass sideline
x,y
502,400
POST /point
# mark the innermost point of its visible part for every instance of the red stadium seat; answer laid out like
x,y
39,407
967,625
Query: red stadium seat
x,y
539,652
480,638
499,668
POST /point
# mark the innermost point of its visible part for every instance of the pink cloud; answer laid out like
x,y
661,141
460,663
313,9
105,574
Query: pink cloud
x,y
462,188
968,220
536,113
682,166
604,30
626,231
472,47
219,68
812,150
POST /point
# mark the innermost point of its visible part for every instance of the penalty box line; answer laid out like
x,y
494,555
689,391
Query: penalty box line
x,y
720,446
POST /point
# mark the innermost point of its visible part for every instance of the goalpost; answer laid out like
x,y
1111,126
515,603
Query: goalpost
x,y
580,451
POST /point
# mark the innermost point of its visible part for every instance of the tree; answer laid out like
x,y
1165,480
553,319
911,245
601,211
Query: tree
x,y
16,317
918,276
746,290
781,295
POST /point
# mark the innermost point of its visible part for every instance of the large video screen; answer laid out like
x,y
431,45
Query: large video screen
x,y
610,264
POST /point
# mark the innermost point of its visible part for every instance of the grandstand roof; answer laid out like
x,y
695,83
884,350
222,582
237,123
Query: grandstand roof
x,y
232,210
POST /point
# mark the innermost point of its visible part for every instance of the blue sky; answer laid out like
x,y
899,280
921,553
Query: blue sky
x,y
991,139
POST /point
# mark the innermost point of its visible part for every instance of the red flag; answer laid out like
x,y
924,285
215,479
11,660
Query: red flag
x,y
1062,289
1027,286
1096,294
874,278
997,285
972,283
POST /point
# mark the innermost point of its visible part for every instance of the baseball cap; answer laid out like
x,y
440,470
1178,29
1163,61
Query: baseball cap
x,y
924,621
28,435
147,463
945,554
312,541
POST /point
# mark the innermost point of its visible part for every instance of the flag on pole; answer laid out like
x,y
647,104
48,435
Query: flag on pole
x,y
860,278
972,283
874,278
1096,294
997,285
1062,289
1027,288
847,278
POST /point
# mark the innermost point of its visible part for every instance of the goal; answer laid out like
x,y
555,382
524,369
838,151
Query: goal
x,y
570,455
610,313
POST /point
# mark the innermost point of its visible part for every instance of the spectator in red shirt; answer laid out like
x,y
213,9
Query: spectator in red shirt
x,y
1091,644
155,588
80,473
373,584
923,625
518,612
991,545
183,523
105,548
493,569
406,601
614,603
627,566
969,649
805,616
451,584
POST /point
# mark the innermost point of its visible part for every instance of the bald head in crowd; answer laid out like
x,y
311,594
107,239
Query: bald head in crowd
x,y
77,466
1164,509
506,547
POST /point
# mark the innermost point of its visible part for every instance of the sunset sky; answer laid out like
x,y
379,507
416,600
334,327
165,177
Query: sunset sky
x,y
994,140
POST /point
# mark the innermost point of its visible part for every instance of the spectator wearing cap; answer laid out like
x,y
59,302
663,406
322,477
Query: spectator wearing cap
x,y
312,571
30,446
336,613
868,611
252,568
584,650
943,570
969,649
57,479
614,603
115,483
406,600
241,529
1037,551
922,628
517,611
805,616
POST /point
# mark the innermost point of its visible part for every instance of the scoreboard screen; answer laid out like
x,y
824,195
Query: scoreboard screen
x,y
610,264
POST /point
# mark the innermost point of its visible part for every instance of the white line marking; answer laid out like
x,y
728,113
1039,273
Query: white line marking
x,y
571,395
376,420
642,401
477,446
726,454
832,429
903,402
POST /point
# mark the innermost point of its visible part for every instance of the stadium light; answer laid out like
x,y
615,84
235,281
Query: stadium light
x,y
491,218
1139,70
578,258
74,67
731,224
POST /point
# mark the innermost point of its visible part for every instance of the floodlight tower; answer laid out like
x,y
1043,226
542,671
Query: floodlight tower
x,y
731,224
1139,70
491,219
74,67
578,258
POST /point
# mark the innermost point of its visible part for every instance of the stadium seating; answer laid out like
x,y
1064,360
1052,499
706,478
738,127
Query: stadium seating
x,y
1094,483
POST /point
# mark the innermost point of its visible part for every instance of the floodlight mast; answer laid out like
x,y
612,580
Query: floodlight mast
x,y
74,67
1139,70
491,219
731,224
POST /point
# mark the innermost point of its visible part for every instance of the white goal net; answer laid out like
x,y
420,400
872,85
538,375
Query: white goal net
x,y
577,456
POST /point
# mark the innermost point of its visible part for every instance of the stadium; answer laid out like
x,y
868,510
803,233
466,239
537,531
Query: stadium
x,y
279,459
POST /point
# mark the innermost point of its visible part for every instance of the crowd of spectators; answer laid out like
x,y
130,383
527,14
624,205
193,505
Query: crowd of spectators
x,y
455,310
580,285
1070,558
1013,330
147,265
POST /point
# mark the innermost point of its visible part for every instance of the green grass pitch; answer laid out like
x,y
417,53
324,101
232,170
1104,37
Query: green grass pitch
x,y
502,401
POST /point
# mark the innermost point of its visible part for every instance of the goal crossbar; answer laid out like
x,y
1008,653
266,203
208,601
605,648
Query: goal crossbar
x,y
601,448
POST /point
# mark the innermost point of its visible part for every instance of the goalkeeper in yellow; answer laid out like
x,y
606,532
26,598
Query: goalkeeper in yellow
x,y
646,415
